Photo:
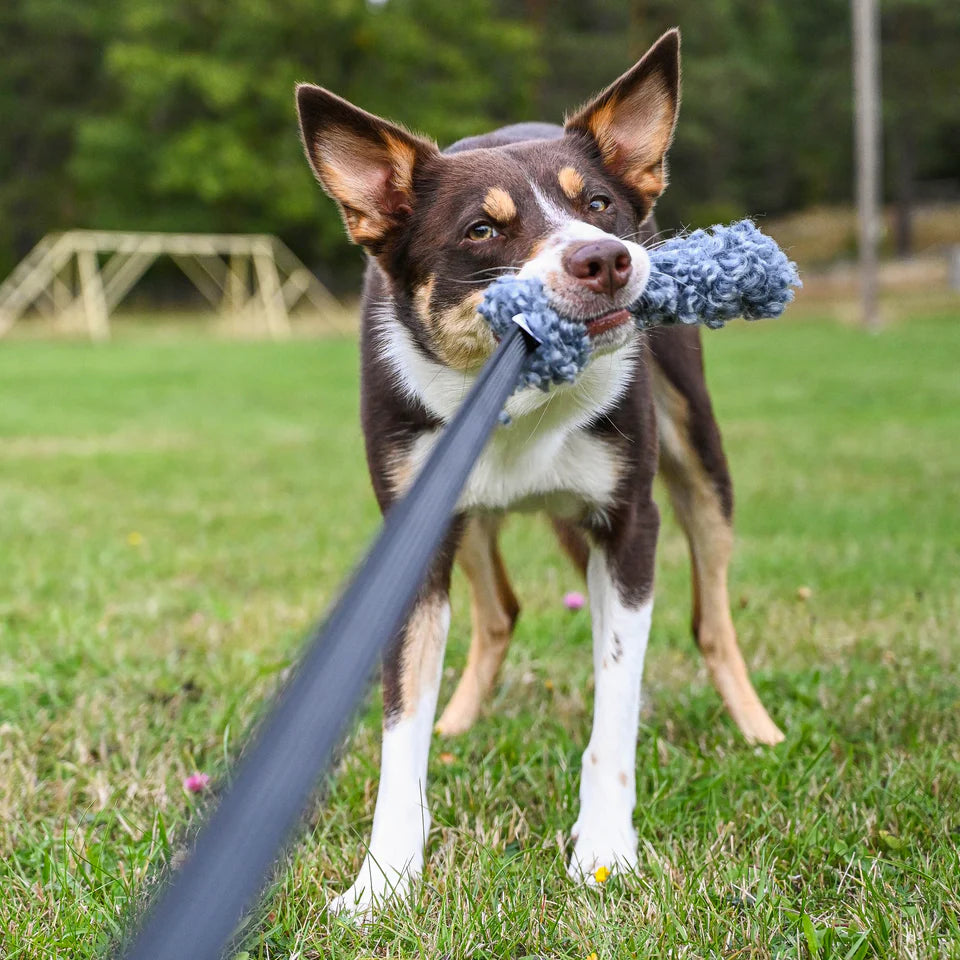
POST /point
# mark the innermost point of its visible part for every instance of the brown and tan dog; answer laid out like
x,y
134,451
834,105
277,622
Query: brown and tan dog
x,y
570,205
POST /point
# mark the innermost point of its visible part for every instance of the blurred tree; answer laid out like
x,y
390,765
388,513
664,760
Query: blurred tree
x,y
758,79
134,114
201,131
765,121
49,75
921,85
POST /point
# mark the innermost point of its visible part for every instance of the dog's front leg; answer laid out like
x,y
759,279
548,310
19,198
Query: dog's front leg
x,y
401,819
619,578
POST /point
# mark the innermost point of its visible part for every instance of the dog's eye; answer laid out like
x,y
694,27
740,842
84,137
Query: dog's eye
x,y
482,231
599,203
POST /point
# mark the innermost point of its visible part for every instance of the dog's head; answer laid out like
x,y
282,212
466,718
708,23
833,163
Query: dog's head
x,y
566,209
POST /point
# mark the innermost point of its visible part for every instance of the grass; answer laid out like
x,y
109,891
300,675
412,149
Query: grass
x,y
174,513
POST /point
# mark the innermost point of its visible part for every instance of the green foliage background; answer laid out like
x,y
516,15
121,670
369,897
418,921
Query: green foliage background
x,y
179,115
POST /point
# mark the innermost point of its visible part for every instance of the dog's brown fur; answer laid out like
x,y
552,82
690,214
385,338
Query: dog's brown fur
x,y
438,227
376,184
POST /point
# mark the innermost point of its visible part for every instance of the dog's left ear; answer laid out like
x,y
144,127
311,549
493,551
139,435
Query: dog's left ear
x,y
632,121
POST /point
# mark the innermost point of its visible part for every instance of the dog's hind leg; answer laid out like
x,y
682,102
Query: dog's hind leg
x,y
412,668
494,610
693,465
574,543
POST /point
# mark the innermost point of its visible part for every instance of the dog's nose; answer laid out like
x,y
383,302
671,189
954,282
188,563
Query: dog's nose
x,y
603,266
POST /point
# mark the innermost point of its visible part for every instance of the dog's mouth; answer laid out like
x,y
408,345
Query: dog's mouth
x,y
607,321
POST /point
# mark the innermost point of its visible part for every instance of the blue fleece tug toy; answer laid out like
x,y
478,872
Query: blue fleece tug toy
x,y
706,277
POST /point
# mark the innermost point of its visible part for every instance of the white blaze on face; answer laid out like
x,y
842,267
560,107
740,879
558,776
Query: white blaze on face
x,y
566,295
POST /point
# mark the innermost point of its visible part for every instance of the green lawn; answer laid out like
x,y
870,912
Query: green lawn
x,y
175,513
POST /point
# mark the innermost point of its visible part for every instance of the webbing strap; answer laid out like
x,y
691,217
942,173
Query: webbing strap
x,y
198,911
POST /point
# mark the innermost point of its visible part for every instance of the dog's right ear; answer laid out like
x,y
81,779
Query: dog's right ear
x,y
366,164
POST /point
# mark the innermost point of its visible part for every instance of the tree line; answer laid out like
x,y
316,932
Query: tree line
x,y
132,114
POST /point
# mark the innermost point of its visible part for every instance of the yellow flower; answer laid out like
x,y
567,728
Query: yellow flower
x,y
593,956
134,538
601,876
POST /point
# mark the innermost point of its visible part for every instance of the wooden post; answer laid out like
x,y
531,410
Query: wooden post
x,y
235,287
91,289
866,85
62,290
271,298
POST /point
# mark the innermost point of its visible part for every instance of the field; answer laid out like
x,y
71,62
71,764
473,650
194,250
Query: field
x,y
174,512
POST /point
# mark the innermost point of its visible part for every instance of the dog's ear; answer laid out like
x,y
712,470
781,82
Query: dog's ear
x,y
632,121
366,164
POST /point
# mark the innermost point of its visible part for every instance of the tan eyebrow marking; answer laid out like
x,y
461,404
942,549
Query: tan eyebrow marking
x,y
571,182
499,205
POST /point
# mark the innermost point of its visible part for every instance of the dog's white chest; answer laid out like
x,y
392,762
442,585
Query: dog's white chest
x,y
557,469
545,457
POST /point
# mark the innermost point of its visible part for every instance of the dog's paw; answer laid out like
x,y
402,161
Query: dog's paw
x,y
463,709
458,717
601,849
761,729
356,904
371,891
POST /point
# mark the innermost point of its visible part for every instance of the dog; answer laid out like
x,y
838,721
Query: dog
x,y
571,206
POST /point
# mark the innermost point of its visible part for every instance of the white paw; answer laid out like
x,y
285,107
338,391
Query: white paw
x,y
601,849
371,890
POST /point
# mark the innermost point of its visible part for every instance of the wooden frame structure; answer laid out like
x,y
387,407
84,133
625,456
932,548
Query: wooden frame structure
x,y
253,280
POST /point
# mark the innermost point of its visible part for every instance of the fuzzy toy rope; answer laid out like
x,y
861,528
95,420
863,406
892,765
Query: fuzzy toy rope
x,y
709,277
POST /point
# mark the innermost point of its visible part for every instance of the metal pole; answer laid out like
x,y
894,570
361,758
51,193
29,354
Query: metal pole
x,y
866,87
